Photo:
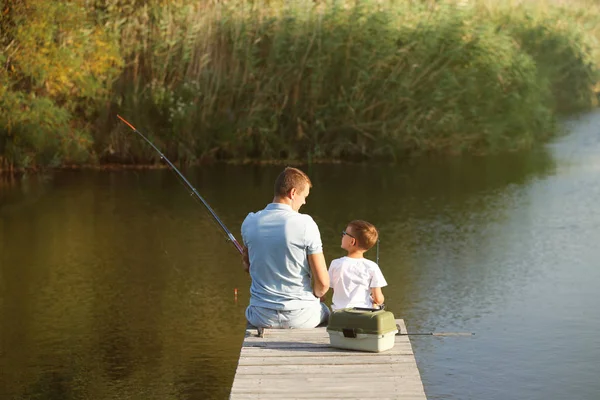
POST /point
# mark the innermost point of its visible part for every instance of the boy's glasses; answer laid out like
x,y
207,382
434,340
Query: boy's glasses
x,y
346,233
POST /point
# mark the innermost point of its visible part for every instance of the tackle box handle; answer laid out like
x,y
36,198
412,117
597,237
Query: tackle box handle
x,y
369,309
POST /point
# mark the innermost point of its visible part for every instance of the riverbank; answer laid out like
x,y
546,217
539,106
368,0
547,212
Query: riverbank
x,y
372,80
124,167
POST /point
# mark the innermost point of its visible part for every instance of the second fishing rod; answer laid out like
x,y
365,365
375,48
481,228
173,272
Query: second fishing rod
x,y
189,185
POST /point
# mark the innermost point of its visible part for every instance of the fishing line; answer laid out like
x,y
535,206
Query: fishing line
x,y
192,188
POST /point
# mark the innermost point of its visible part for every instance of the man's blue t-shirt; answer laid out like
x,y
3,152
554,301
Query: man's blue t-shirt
x,y
278,241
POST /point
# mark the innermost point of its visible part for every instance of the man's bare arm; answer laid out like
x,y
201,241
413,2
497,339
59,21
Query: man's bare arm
x,y
318,268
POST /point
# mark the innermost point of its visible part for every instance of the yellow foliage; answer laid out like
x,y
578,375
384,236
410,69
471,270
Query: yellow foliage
x,y
60,52
58,64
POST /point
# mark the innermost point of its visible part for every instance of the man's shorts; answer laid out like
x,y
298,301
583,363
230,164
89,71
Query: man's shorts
x,y
309,317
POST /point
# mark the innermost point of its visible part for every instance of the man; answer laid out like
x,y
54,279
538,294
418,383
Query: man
x,y
282,251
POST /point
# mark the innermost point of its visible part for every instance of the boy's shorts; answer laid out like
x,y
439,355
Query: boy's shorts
x,y
309,317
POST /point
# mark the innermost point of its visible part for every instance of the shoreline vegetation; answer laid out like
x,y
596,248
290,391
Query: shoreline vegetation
x,y
288,81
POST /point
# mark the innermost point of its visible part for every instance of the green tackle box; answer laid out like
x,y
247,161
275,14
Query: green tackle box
x,y
362,329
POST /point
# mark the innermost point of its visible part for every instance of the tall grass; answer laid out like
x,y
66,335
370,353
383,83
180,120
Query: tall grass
x,y
355,79
330,79
563,39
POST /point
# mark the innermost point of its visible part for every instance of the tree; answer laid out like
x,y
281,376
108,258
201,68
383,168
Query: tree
x,y
56,64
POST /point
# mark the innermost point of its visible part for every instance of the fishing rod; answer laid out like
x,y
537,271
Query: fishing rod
x,y
194,191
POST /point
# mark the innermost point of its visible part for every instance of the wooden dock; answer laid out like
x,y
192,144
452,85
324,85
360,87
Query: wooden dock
x,y
300,364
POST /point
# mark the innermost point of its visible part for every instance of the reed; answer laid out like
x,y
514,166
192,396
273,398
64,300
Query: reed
x,y
328,79
356,79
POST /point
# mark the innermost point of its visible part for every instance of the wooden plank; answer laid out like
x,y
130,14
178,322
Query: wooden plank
x,y
294,351
401,326
317,342
358,395
315,382
288,391
340,369
320,384
316,360
292,387
300,363
341,395
355,373
286,332
328,352
288,341
294,393
357,376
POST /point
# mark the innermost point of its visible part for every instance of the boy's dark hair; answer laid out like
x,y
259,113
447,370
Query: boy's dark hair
x,y
291,178
365,233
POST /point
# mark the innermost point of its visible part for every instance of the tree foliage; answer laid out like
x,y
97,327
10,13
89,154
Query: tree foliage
x,y
57,63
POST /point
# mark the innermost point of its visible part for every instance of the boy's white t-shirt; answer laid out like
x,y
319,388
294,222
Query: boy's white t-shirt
x,y
352,280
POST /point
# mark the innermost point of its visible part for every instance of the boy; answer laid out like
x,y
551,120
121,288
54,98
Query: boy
x,y
355,280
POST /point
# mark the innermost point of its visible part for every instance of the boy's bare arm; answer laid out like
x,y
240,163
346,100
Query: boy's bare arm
x,y
318,268
377,295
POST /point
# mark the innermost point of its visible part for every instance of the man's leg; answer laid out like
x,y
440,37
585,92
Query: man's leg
x,y
325,313
309,317
260,317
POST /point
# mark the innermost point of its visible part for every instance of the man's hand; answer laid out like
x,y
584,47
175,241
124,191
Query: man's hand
x,y
246,259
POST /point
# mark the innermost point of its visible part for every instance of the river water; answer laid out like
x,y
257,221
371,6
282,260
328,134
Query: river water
x,y
119,285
